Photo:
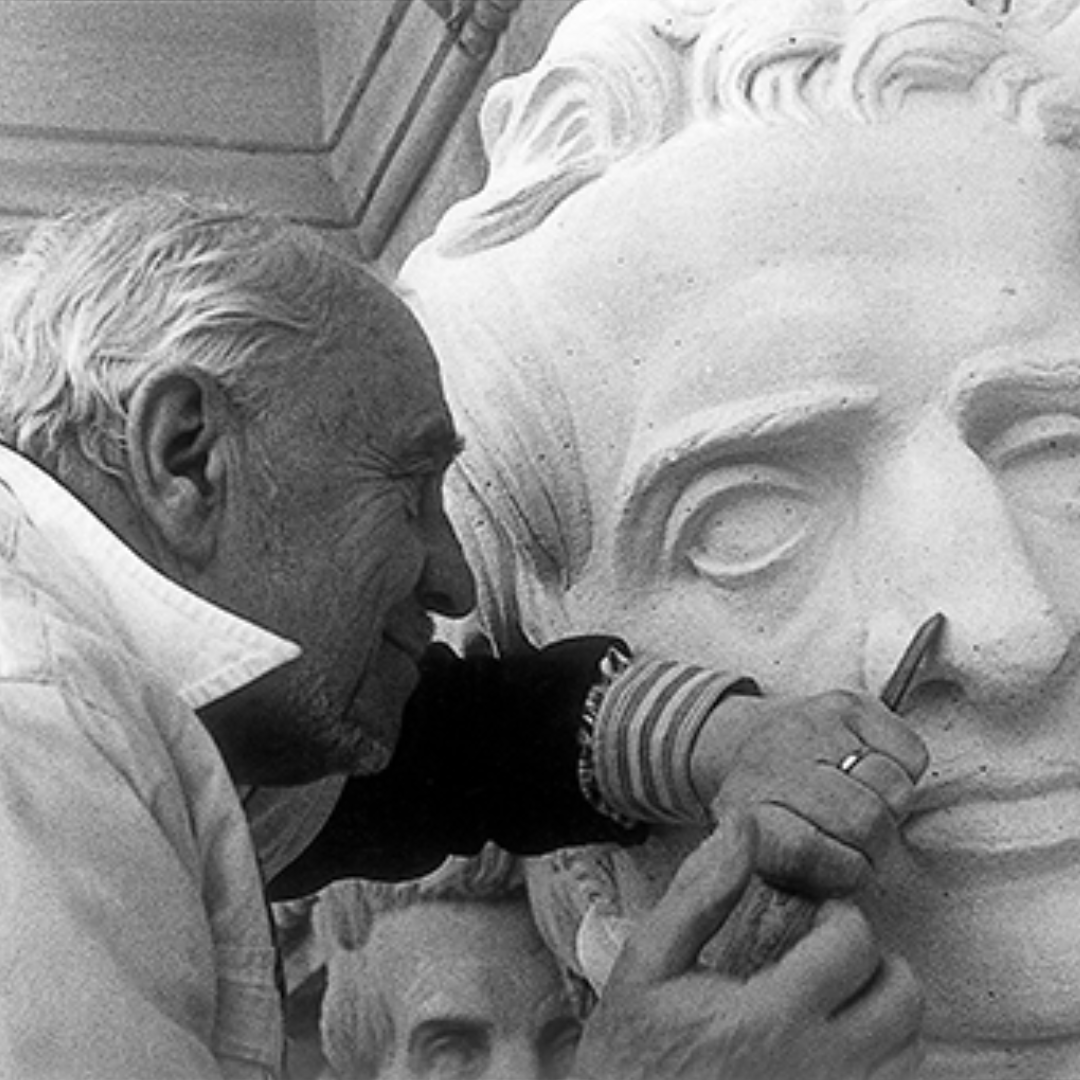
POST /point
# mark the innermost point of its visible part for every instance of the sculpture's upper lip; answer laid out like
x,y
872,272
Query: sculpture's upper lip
x,y
997,816
982,786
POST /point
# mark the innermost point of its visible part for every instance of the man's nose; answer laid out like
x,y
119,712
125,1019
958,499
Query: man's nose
x,y
943,539
447,586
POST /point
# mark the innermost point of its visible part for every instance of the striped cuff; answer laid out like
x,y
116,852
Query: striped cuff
x,y
646,727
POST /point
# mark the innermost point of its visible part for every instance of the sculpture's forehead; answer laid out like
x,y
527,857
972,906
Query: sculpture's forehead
x,y
720,203
741,261
471,960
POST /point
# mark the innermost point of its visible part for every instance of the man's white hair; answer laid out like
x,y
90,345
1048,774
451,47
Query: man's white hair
x,y
103,295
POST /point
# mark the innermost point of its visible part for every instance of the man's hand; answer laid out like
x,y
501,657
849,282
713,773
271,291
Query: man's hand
x,y
822,828
834,1008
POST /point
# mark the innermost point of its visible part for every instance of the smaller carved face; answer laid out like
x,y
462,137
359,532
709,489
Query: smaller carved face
x,y
467,991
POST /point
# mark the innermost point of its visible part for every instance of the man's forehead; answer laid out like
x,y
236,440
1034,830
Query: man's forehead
x,y
382,331
393,381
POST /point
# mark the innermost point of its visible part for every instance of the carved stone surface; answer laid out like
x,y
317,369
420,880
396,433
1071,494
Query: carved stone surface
x,y
764,336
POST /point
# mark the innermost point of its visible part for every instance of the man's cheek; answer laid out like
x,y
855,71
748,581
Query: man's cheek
x,y
374,715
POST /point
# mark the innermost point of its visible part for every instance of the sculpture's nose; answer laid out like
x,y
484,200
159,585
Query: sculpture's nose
x,y
513,1059
943,539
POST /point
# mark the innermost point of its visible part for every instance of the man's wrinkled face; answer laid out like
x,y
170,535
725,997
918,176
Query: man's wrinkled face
x,y
841,375
473,994
342,545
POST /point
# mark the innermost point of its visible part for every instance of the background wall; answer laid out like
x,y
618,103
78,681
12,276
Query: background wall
x,y
356,115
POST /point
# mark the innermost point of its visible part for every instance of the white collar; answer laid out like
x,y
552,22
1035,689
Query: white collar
x,y
202,651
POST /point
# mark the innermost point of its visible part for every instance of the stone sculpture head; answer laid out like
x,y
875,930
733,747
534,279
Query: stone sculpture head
x,y
764,336
446,976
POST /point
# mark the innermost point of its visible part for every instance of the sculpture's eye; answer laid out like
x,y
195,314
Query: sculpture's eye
x,y
739,522
449,1050
557,1046
1038,464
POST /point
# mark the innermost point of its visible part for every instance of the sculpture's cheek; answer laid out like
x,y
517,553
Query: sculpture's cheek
x,y
998,952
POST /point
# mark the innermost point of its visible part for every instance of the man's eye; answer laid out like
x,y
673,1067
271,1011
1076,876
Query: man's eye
x,y
742,522
1038,464
412,488
421,494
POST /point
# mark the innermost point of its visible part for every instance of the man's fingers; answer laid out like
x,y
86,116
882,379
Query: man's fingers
x,y
700,897
881,730
887,779
882,1024
871,1006
828,842
834,964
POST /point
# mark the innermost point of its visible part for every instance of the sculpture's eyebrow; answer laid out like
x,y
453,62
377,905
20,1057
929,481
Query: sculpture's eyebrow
x,y
997,385
478,1032
738,427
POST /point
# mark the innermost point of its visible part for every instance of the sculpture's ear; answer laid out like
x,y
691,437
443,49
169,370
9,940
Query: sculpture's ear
x,y
178,455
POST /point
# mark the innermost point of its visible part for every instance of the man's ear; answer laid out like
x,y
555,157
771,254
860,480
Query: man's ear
x,y
177,447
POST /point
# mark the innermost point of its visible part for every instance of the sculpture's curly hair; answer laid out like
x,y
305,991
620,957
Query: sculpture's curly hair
x,y
622,76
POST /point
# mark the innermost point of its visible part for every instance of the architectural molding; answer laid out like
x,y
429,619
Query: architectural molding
x,y
330,111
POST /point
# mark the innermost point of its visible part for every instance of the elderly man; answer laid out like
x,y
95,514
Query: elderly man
x,y
223,541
